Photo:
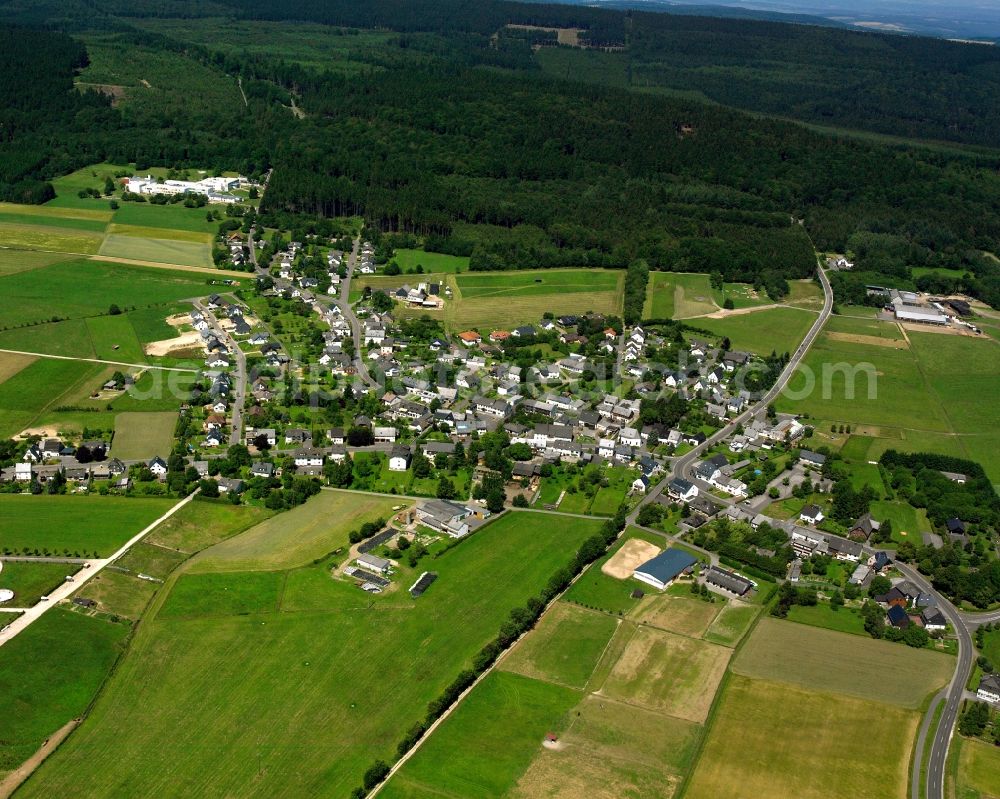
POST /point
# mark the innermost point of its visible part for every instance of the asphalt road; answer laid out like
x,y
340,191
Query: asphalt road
x,y
343,301
951,695
240,387
682,465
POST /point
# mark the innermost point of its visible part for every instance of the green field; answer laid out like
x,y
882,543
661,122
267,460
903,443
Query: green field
x,y
565,647
923,397
850,665
731,624
16,215
200,524
13,261
82,288
229,594
298,703
49,238
160,250
41,385
805,743
296,536
63,657
679,295
168,217
83,524
140,436
978,769
845,620
114,339
763,332
465,760
432,262
29,581
667,673
507,299
677,614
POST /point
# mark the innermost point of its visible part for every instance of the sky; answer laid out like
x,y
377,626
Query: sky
x,y
966,19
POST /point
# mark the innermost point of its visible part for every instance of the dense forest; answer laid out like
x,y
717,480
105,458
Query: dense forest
x,y
460,138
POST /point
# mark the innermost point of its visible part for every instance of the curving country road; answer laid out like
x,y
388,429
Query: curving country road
x,y
682,465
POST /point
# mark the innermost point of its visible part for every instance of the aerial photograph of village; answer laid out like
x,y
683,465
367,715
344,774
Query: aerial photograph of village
x,y
459,399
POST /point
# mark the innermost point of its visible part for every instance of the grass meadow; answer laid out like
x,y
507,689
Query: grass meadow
x,y
853,666
806,743
49,238
14,261
84,288
301,700
507,299
978,769
160,250
678,295
140,436
29,580
624,698
764,331
74,524
41,385
63,657
565,647
731,624
924,396
432,262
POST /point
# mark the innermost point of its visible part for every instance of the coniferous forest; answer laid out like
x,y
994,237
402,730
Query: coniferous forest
x,y
452,130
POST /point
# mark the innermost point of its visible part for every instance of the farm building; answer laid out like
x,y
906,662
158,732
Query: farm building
x,y
445,517
662,570
373,562
729,581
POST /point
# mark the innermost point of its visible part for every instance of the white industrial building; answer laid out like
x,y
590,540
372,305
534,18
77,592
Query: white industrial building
x,y
214,188
907,308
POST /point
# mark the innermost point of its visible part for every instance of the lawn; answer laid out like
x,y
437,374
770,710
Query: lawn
x,y
48,675
763,332
926,396
804,743
907,522
140,436
29,581
504,300
82,288
488,742
432,262
849,664
161,250
299,703
731,624
71,524
564,648
667,673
